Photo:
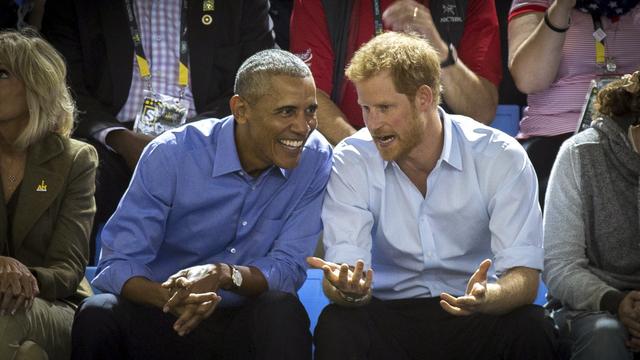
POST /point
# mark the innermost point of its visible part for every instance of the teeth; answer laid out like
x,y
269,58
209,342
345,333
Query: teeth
x,y
386,138
292,143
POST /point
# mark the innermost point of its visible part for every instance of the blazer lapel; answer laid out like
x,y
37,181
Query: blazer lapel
x,y
3,225
40,186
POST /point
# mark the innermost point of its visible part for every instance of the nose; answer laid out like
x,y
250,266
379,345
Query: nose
x,y
371,119
303,124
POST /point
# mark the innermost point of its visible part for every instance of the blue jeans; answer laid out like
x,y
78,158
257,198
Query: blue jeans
x,y
593,335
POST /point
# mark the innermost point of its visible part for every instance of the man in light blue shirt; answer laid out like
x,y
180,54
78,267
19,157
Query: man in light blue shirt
x,y
205,253
429,201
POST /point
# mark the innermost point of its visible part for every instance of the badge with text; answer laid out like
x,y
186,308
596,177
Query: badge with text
x,y
160,113
586,117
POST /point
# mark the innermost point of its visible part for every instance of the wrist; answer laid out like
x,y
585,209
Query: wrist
x,y
224,272
559,15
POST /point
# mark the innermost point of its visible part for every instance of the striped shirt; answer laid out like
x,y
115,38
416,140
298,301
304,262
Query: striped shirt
x,y
556,110
159,26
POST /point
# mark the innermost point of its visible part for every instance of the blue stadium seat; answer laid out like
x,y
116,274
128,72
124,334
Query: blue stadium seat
x,y
312,297
507,119
541,299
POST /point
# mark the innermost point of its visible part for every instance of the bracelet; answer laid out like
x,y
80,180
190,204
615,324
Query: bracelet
x,y
553,27
354,300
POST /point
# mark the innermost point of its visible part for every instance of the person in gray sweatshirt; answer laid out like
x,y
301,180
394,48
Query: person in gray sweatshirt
x,y
592,229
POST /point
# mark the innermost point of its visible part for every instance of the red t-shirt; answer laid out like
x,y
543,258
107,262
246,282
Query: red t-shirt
x,y
479,47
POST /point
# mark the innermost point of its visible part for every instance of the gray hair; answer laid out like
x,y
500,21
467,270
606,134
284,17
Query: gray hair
x,y
253,77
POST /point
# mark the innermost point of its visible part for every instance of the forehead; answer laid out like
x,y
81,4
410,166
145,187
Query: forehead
x,y
283,88
377,88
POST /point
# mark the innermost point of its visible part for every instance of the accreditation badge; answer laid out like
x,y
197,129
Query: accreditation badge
x,y
586,116
160,113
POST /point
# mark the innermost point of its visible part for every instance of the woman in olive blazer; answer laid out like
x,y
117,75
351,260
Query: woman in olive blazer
x,y
46,202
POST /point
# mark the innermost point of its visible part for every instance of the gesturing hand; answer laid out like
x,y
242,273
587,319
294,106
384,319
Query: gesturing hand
x,y
629,315
412,16
356,283
475,296
193,296
18,287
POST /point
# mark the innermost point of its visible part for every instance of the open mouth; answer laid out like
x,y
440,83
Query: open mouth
x,y
384,139
291,144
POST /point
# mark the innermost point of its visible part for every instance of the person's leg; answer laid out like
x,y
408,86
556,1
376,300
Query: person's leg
x,y
366,332
110,327
275,325
594,335
44,329
112,178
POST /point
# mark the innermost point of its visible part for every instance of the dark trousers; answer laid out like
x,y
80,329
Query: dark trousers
x,y
420,329
112,179
275,325
542,152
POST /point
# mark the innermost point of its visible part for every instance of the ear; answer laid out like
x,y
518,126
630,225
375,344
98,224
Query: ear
x,y
239,109
424,98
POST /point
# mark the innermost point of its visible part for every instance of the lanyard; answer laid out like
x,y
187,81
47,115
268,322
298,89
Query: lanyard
x,y
141,59
377,17
599,36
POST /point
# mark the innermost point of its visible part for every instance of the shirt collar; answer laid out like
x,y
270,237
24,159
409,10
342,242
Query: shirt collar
x,y
450,149
226,158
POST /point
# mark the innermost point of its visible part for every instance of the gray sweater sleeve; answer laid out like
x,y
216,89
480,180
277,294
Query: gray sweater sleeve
x,y
566,271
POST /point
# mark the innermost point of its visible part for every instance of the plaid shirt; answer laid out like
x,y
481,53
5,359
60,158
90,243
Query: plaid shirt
x,y
159,26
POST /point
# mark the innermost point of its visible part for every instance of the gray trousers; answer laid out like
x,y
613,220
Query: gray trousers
x,y
42,332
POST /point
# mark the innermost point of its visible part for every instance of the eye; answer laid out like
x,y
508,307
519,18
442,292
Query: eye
x,y
383,108
286,111
311,110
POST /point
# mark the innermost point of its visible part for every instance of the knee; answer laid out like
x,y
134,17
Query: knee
x,y
95,317
279,307
338,323
605,334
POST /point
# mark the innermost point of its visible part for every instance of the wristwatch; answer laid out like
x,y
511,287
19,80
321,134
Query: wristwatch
x,y
452,57
236,277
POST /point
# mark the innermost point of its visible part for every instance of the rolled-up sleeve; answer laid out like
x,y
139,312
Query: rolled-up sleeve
x,y
133,235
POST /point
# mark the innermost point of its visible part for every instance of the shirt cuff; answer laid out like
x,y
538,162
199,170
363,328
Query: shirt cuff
x,y
101,136
527,256
611,301
349,254
111,278
289,282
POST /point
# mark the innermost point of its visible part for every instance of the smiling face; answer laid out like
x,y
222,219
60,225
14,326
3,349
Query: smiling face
x,y
391,118
13,99
273,129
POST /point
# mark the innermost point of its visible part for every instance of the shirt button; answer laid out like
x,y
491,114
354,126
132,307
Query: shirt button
x,y
240,173
232,250
253,187
158,38
244,223
429,254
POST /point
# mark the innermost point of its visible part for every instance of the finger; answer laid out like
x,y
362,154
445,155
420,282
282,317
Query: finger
x,y
26,286
343,277
634,332
213,308
182,282
202,312
478,290
318,263
188,313
634,343
368,280
7,300
329,275
175,300
18,303
452,309
356,277
15,286
200,298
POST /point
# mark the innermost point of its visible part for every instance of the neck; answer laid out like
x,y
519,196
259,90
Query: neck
x,y
424,156
9,132
248,159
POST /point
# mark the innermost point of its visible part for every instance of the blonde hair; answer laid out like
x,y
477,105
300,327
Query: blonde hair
x,y
620,98
410,59
41,68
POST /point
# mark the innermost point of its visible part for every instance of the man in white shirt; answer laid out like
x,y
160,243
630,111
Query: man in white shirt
x,y
444,209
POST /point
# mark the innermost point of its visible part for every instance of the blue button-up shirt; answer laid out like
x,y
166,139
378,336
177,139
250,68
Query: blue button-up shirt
x,y
191,203
481,202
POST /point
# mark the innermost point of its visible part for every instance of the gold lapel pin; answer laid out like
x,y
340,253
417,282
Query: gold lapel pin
x,y
42,187
207,19
208,5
